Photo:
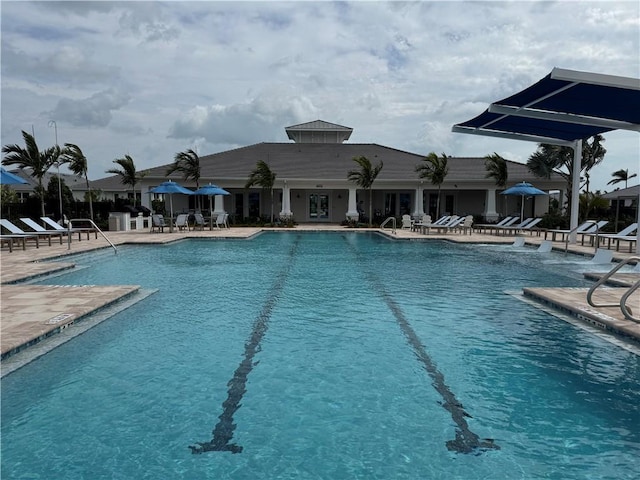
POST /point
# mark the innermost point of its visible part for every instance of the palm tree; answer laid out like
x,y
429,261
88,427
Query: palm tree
x,y
187,163
78,164
435,169
550,159
263,177
364,178
621,176
128,173
30,157
496,167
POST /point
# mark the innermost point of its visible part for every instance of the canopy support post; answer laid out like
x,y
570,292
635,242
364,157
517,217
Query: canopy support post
x,y
575,190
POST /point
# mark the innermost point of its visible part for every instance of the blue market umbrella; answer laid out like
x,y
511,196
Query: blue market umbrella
x,y
523,189
8,178
211,190
169,188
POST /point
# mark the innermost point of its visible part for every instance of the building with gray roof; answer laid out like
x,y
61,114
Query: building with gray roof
x,y
312,186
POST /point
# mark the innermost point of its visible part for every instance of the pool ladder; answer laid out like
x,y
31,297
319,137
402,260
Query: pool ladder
x,y
392,220
94,226
626,311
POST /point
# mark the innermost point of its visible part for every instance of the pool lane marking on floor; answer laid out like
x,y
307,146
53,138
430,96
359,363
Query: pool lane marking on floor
x,y
223,431
466,441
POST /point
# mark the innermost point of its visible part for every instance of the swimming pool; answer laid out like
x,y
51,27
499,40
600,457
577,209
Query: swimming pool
x,y
324,355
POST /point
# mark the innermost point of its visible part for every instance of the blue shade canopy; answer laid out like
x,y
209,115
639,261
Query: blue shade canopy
x,y
523,188
171,187
211,189
564,106
8,178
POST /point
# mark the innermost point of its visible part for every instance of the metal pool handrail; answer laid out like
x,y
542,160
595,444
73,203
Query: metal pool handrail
x,y
393,220
626,311
597,242
94,226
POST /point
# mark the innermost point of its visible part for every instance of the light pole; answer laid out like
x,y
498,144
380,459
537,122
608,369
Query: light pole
x,y
52,123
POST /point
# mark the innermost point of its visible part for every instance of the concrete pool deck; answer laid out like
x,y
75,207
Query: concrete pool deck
x,y
30,313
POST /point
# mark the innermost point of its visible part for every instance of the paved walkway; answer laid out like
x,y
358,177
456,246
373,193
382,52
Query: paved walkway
x,y
32,312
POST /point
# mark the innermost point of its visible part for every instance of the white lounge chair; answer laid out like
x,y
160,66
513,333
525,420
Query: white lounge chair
x,y
504,222
79,230
591,232
10,240
581,228
526,226
407,223
625,235
452,223
513,228
15,230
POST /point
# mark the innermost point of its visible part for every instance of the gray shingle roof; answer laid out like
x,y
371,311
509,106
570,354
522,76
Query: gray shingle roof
x,y
327,161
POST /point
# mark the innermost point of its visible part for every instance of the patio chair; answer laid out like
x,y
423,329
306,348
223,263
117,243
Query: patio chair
x,y
157,223
15,230
423,225
222,221
182,221
198,221
466,224
407,223
79,230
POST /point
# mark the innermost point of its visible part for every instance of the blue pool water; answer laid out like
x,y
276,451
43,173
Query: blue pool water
x,y
325,356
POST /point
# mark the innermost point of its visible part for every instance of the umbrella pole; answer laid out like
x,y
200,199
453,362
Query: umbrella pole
x,y
171,219
522,210
210,213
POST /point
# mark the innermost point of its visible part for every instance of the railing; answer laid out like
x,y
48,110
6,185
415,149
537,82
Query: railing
x,y
69,227
626,311
392,220
568,237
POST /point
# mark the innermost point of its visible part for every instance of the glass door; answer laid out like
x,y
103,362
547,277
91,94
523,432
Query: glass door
x,y
319,206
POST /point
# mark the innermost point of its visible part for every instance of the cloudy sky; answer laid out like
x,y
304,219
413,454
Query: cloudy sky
x,y
150,79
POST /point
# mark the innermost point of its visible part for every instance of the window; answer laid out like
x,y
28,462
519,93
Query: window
x,y
254,205
239,210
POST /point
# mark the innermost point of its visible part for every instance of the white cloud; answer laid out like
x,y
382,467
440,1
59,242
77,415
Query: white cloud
x,y
95,111
153,78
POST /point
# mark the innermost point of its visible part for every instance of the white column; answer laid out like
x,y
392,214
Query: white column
x,y
575,190
352,212
218,205
490,213
418,209
286,202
